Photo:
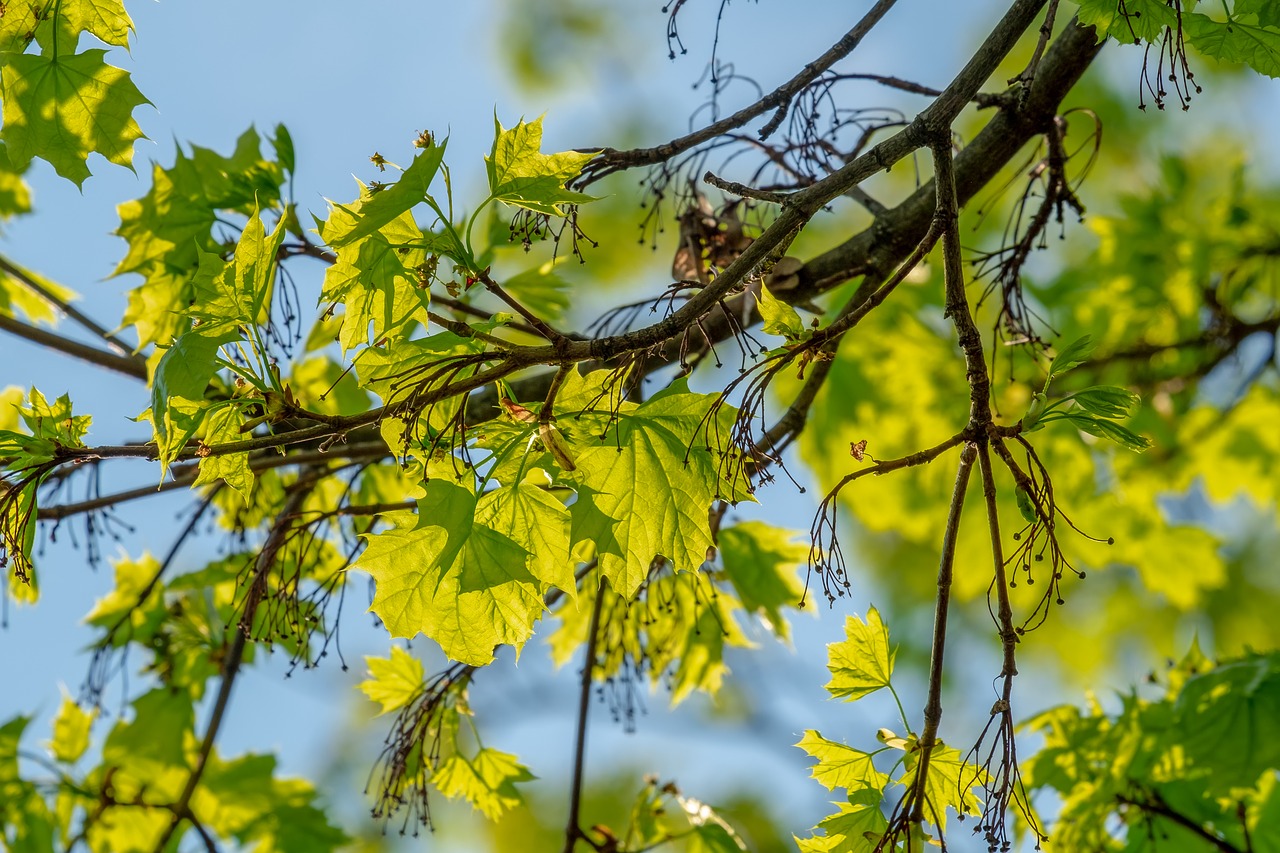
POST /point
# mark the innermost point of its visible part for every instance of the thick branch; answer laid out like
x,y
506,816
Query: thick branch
x,y
893,235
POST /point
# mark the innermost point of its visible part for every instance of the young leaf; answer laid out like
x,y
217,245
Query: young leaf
x,y
239,291
1106,401
388,204
446,574
779,317
760,561
841,766
222,425
1235,40
1072,355
1109,430
646,486
862,663
393,682
950,783
857,827
376,278
521,175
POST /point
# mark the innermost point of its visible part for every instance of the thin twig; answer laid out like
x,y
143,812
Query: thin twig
x,y
1004,611
573,829
233,658
612,160
946,566
1161,809
745,191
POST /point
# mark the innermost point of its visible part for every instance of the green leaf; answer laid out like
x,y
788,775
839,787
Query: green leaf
x,y
862,663
1145,19
542,290
1109,430
105,19
376,278
1106,401
487,781
126,599
282,144
393,682
714,838
1267,12
521,175
177,389
239,292
222,425
841,766
760,561
779,317
1235,41
1026,506
156,736
857,827
444,574
70,731
54,422
243,799
386,205
63,107
1072,355
17,299
647,485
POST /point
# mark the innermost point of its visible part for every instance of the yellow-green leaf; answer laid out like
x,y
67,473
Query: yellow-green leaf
x,y
393,682
70,731
862,663
62,107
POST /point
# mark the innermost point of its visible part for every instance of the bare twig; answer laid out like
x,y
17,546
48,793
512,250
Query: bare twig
x,y
612,160
33,283
946,566
573,829
131,366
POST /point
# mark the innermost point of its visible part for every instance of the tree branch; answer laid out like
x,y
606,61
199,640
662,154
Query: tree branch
x,y
946,565
33,283
612,160
233,658
131,366
573,829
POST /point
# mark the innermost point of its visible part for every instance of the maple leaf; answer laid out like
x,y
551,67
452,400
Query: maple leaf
x,y
62,107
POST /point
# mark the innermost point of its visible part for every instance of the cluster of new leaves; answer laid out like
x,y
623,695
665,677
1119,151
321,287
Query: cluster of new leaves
x,y
1194,769
861,665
